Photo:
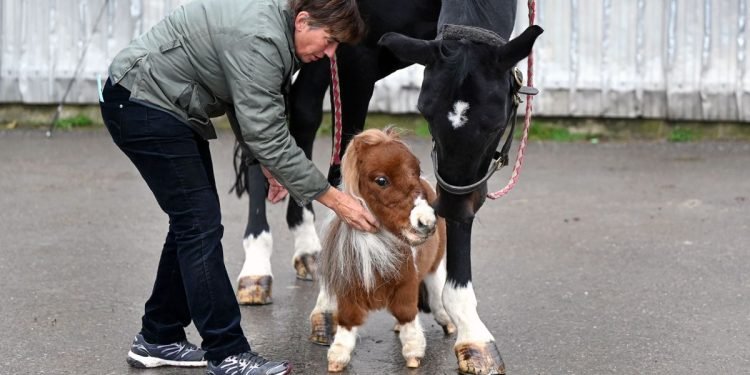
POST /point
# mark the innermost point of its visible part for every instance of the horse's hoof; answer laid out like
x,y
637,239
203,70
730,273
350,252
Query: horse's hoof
x,y
306,266
323,328
479,359
449,328
255,290
336,366
413,362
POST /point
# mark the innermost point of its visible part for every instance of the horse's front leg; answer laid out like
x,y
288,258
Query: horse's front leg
x,y
475,346
256,278
323,320
305,115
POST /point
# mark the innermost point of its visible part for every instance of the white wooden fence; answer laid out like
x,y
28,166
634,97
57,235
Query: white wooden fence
x,y
668,59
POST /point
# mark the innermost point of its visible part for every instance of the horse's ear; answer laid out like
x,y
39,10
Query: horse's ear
x,y
520,47
411,50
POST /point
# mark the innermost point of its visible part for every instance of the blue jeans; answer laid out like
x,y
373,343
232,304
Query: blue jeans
x,y
191,281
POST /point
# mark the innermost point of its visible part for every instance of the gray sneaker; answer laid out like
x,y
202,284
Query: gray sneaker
x,y
182,354
248,363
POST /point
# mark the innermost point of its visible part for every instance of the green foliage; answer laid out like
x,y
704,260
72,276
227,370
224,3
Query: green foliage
x,y
545,131
77,121
679,134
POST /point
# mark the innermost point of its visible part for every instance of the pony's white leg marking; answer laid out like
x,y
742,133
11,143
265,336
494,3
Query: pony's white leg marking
x,y
461,304
258,252
306,239
435,282
458,116
325,302
340,352
412,342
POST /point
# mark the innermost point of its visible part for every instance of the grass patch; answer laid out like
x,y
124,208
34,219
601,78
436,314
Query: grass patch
x,y
679,134
548,131
78,121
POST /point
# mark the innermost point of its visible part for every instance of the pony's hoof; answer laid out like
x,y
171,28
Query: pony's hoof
x,y
413,362
336,366
255,290
306,266
479,359
449,328
323,328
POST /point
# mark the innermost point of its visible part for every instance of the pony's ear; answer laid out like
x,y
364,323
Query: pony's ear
x,y
411,50
518,48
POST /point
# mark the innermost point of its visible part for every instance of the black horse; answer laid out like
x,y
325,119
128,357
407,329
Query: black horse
x,y
468,98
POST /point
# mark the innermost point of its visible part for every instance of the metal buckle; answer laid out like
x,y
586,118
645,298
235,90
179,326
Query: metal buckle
x,y
518,76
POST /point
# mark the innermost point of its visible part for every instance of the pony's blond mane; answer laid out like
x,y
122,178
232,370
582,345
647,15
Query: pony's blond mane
x,y
370,137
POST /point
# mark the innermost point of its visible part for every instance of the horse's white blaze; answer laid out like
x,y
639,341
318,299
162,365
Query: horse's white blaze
x,y
306,240
412,339
458,116
422,214
343,344
435,283
258,252
461,304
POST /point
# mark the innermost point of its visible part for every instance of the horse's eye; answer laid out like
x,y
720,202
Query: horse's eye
x,y
381,181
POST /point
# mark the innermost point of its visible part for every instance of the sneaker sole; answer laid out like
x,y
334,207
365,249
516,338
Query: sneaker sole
x,y
138,361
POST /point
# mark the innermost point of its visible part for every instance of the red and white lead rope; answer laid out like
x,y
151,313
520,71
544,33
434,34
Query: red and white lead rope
x,y
336,153
526,120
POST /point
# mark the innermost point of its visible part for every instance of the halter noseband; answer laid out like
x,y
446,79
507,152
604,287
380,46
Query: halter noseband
x,y
500,158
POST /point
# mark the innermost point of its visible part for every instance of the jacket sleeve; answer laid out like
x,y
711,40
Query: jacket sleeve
x,y
255,73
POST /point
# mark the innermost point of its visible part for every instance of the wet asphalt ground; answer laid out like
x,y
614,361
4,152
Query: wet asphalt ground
x,y
605,259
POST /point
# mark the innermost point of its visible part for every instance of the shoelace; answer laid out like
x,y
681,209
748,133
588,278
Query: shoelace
x,y
251,359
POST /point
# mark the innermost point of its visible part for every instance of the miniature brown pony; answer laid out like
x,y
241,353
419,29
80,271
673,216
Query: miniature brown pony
x,y
361,271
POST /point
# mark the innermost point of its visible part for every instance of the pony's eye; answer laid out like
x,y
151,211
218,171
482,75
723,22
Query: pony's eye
x,y
381,181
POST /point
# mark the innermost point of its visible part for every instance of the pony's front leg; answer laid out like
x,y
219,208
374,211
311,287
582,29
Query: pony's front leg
x,y
323,320
301,221
340,352
413,342
403,306
350,317
256,279
475,346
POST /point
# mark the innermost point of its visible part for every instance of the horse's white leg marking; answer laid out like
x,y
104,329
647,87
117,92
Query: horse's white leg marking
x,y
461,304
412,342
306,239
458,116
258,252
435,283
340,352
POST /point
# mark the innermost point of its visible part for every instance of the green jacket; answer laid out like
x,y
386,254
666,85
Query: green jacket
x,y
233,57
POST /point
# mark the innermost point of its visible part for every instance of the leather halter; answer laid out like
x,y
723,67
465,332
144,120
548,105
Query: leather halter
x,y
500,158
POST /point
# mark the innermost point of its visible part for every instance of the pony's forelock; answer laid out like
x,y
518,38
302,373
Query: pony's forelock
x,y
370,137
